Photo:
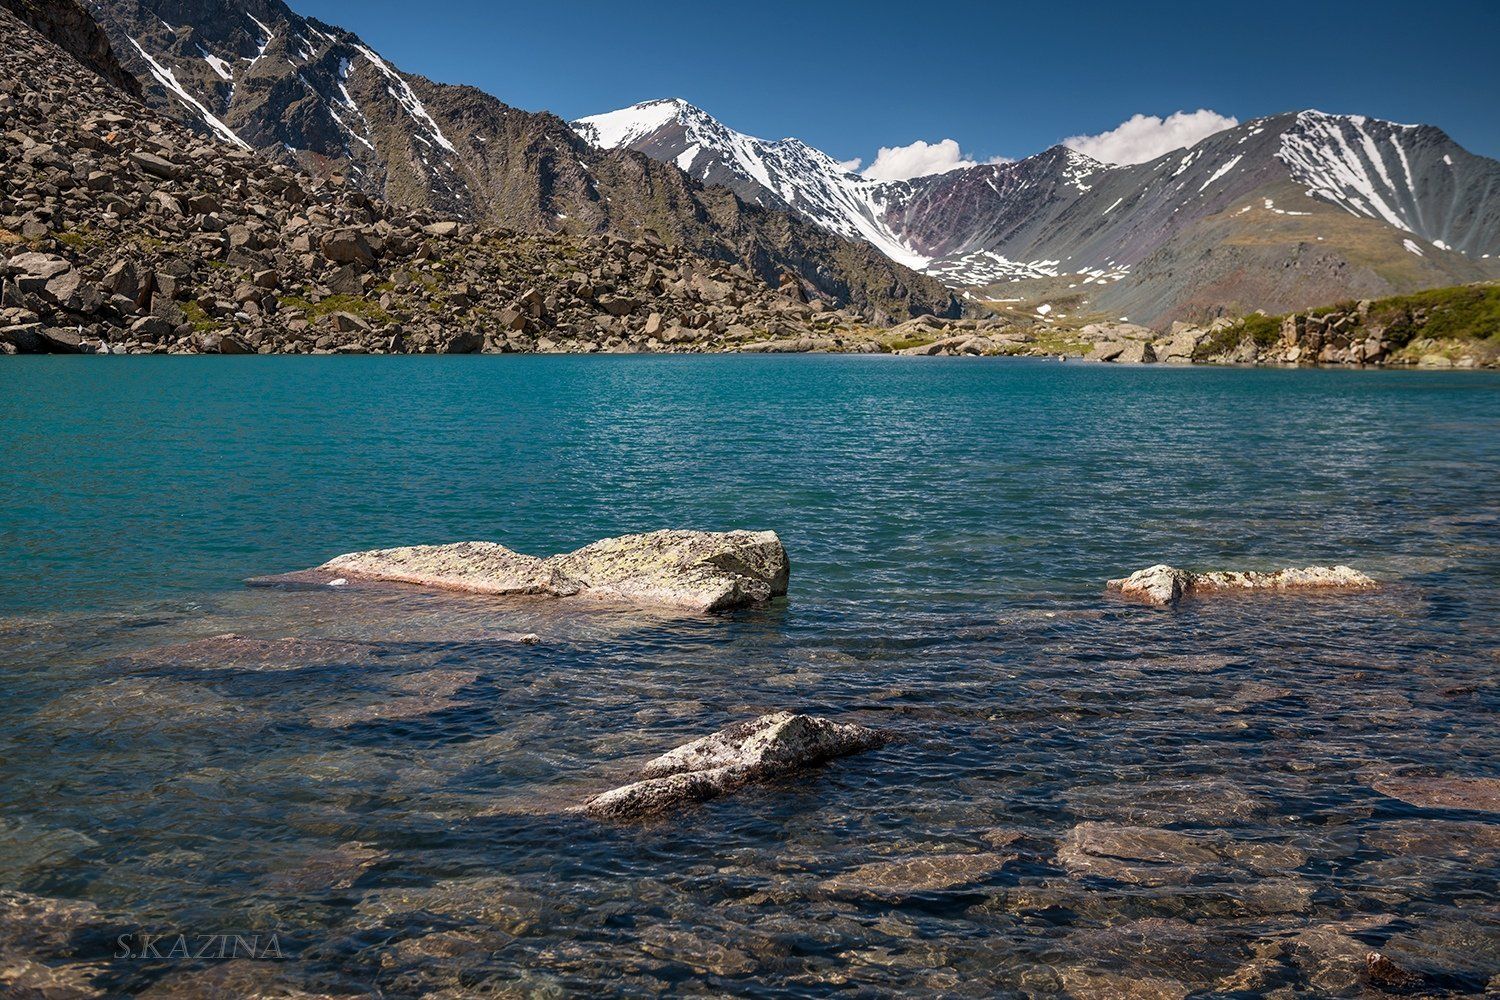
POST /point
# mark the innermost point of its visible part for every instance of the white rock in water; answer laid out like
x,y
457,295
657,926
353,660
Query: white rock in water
x,y
690,570
763,748
1166,585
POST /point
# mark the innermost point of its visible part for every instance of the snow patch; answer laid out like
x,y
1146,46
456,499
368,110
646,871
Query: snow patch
x,y
1221,172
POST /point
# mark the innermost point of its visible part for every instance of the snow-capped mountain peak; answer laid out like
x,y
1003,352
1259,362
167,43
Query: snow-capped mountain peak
x,y
615,129
782,173
1063,212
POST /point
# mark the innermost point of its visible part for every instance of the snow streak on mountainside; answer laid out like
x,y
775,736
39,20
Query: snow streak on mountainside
x,y
1227,205
1372,168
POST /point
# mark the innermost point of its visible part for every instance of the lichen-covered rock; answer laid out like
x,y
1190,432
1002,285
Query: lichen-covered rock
x,y
689,570
700,570
1166,585
772,745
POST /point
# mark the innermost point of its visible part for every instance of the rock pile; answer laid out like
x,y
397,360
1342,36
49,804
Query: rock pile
x,y
1167,585
686,570
121,231
769,747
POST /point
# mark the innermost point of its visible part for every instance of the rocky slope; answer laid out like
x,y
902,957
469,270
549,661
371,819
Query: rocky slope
x,y
77,33
121,230
1277,214
254,72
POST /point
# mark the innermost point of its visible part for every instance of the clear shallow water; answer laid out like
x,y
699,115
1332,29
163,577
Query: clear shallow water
x,y
389,795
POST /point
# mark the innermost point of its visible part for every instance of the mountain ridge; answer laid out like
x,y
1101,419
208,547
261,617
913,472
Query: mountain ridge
x,y
1045,218
316,95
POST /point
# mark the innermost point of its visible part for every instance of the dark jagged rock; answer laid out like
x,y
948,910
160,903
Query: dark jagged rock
x,y
74,29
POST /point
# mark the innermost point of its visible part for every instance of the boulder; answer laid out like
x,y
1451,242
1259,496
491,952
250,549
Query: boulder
x,y
1107,351
347,246
687,570
764,748
1159,584
1135,352
1166,585
154,165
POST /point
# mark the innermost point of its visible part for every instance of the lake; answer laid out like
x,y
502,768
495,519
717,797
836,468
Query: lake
x,y
1226,798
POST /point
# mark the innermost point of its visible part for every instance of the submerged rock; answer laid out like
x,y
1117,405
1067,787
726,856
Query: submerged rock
x,y
690,570
1147,856
426,693
921,873
1476,794
763,748
1166,585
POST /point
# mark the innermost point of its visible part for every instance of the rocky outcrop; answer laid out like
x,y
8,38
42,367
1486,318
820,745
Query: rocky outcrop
x,y
1440,328
687,570
1167,585
769,747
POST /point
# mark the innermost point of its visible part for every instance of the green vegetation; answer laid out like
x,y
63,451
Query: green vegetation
x,y
82,240
351,304
1461,313
1468,312
201,321
1264,330
1059,342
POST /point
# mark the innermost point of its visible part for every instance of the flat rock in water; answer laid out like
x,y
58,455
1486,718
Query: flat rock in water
x,y
1148,856
921,873
1477,794
1166,585
688,570
237,652
420,694
763,748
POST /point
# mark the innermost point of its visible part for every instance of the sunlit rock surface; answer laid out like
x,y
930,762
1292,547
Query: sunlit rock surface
x,y
766,747
687,570
1166,585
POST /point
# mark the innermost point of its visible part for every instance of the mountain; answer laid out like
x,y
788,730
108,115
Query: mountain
x,y
256,74
124,231
1279,213
787,174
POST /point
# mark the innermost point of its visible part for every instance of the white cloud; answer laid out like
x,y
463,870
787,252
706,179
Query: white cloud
x,y
1145,137
901,163
850,166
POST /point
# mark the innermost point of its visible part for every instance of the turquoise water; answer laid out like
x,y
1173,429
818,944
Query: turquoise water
x,y
950,525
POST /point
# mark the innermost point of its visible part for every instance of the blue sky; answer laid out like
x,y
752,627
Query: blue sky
x,y
1000,79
